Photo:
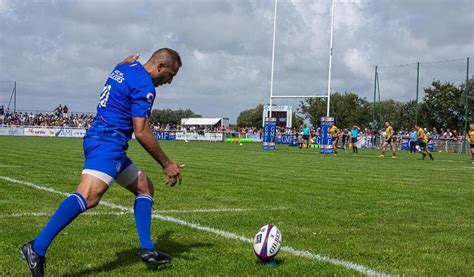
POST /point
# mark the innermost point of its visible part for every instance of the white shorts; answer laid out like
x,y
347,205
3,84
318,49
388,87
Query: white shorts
x,y
124,179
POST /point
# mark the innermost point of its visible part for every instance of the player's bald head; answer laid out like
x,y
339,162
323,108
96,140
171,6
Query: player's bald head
x,y
167,56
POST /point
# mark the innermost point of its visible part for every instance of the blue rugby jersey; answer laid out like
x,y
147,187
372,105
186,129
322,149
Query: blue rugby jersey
x,y
306,131
128,92
354,132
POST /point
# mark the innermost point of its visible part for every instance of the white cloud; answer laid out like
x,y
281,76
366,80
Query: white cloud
x,y
358,63
62,51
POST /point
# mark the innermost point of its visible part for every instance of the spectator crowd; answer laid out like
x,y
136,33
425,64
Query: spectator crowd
x,y
62,117
58,117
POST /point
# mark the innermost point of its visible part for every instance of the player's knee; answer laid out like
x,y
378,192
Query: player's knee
x,y
145,185
92,198
92,202
91,194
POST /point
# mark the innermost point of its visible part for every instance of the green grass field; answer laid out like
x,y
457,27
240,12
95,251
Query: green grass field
x,y
399,216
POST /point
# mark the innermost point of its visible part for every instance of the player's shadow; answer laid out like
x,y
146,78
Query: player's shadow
x,y
131,256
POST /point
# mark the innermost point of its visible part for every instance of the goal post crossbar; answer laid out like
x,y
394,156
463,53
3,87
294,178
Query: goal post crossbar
x,y
328,96
299,96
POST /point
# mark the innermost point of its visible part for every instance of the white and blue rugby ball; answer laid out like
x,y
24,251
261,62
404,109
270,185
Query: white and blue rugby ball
x,y
267,242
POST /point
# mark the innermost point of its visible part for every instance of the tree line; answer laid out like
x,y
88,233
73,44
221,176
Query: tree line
x,y
169,116
442,106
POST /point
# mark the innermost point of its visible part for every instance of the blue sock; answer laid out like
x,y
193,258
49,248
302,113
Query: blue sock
x,y
142,212
69,209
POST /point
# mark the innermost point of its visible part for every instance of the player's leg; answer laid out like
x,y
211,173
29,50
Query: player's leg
x,y
134,180
472,153
429,154
138,183
100,169
394,149
423,150
384,145
87,196
334,145
101,166
354,145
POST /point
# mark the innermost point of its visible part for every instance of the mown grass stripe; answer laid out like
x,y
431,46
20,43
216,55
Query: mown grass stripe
x,y
229,235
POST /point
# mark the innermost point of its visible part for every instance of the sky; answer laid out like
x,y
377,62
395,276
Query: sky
x,y
61,52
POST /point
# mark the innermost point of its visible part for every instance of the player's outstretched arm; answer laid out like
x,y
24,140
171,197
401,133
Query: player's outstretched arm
x,y
144,135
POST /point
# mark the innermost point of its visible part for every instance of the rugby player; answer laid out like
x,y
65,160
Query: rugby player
x,y
389,141
354,138
423,142
306,132
471,140
124,108
334,132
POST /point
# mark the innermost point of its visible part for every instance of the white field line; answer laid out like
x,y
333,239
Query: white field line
x,y
232,210
289,250
414,158
40,214
36,214
10,165
464,168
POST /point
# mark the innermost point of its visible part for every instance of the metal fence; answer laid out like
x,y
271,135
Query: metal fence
x,y
438,145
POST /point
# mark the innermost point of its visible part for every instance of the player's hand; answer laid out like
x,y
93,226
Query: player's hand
x,y
173,174
131,59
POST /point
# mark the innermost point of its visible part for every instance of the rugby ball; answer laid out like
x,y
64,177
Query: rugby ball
x,y
267,242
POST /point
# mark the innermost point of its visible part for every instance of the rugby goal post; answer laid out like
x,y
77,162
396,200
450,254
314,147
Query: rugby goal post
x,y
328,95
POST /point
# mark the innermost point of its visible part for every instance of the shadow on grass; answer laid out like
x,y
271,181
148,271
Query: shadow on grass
x,y
132,256
274,263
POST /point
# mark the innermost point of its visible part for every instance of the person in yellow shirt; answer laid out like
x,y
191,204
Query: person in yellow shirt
x,y
389,140
470,136
423,142
334,132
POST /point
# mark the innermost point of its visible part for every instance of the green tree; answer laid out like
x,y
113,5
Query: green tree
x,y
443,105
251,117
171,116
389,110
407,114
347,109
297,121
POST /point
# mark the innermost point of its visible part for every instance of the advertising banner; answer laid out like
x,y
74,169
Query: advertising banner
x,y
62,132
165,135
11,131
40,132
269,133
286,139
191,136
326,139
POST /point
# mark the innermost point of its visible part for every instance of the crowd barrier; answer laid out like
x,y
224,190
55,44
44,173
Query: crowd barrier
x,y
437,145
189,136
443,145
63,132
68,132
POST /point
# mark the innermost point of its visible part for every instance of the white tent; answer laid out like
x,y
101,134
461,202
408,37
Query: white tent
x,y
201,121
